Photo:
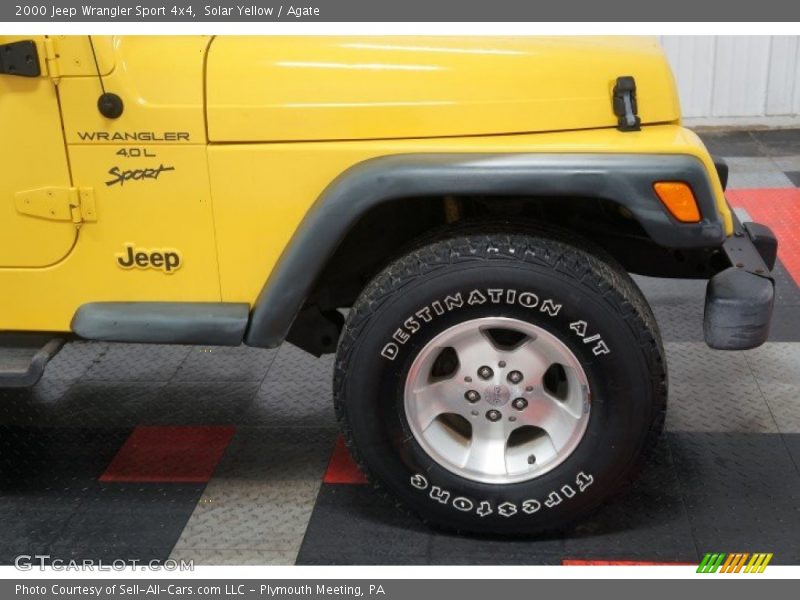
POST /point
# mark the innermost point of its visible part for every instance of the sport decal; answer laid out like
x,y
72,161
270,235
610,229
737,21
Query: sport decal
x,y
120,176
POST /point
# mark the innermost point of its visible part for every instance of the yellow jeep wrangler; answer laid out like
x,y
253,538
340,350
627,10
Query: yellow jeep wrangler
x,y
456,218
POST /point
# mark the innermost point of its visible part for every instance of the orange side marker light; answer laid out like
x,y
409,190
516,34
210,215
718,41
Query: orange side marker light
x,y
679,200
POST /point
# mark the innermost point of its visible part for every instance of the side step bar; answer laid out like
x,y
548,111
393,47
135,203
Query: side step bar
x,y
211,323
23,357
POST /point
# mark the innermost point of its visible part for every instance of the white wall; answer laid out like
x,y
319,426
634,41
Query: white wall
x,y
737,79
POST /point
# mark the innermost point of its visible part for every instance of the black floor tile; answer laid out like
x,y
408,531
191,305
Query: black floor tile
x,y
127,522
352,525
785,326
50,462
648,523
451,549
30,529
731,143
794,177
778,142
792,441
741,491
51,501
787,293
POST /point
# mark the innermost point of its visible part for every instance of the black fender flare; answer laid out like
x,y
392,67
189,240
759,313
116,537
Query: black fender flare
x,y
623,178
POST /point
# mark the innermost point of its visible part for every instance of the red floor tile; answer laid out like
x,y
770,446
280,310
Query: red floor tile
x,y
169,454
574,562
780,210
342,468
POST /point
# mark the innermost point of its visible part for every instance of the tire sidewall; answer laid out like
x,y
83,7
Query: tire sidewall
x,y
588,320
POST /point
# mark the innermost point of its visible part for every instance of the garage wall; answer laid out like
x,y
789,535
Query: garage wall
x,y
737,79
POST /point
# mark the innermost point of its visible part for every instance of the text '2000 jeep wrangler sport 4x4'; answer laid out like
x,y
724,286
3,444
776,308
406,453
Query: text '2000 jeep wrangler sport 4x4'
x,y
472,205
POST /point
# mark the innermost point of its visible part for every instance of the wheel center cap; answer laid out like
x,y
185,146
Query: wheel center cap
x,y
497,394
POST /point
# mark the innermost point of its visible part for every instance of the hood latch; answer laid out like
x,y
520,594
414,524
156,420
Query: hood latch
x,y
625,107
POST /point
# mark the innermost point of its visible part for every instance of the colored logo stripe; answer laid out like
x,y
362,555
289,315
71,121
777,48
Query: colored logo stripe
x,y
733,563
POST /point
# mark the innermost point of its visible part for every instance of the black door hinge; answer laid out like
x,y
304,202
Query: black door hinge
x,y
625,104
20,58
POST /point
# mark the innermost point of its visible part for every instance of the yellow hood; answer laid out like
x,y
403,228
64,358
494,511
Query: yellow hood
x,y
344,88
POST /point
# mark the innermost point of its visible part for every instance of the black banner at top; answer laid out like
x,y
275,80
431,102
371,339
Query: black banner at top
x,y
243,11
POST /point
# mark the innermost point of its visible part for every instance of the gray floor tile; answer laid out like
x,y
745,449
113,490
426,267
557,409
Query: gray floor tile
x,y
777,362
103,404
755,172
203,403
215,363
138,362
74,360
296,392
261,496
783,400
730,400
787,163
731,143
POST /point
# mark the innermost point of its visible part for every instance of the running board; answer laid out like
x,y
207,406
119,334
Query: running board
x,y
23,357
207,323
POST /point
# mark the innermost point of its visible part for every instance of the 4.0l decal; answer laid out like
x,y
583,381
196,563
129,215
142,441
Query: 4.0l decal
x,y
483,508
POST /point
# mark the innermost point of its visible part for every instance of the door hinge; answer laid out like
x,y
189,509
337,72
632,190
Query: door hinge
x,y
51,58
625,107
58,204
19,58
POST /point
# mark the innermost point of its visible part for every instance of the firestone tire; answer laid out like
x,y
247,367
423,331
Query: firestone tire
x,y
574,295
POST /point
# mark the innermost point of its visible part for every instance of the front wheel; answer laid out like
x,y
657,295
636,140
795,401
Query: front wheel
x,y
501,383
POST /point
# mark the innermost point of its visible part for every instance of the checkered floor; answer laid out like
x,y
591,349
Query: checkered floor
x,y
231,455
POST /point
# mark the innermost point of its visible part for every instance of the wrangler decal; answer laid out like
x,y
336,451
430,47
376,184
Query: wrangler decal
x,y
133,136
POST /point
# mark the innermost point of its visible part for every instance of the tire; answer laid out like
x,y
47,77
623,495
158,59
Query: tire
x,y
530,301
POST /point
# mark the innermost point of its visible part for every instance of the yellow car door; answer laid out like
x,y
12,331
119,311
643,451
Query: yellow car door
x,y
145,230
36,222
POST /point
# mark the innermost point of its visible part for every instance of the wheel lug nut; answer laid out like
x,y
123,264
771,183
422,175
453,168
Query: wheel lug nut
x,y
515,377
493,415
485,372
472,396
520,403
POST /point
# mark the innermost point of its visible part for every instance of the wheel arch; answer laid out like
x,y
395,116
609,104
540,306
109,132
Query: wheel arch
x,y
410,181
